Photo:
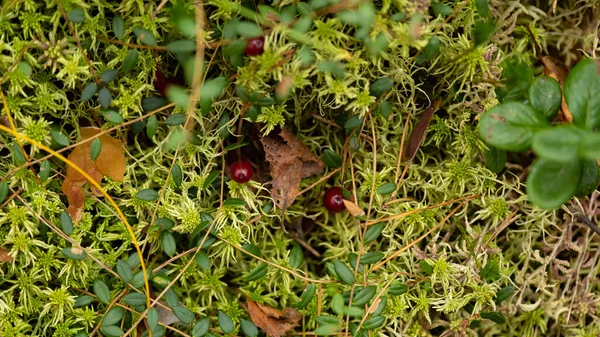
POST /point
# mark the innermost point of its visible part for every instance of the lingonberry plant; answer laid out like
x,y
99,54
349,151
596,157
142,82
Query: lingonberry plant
x,y
119,215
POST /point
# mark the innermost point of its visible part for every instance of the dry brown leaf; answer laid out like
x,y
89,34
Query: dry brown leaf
x,y
272,321
558,71
110,162
417,134
353,208
4,257
290,162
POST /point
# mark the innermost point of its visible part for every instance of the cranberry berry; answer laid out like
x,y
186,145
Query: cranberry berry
x,y
255,46
241,171
333,200
161,83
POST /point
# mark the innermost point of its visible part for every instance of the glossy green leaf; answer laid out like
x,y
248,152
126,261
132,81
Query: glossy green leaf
x,y
73,253
510,126
380,307
178,95
152,317
483,30
337,303
225,322
328,329
380,86
66,223
248,328
181,46
175,119
124,270
503,294
147,195
168,243
113,316
353,259
331,159
95,148
145,36
111,331
130,62
44,173
296,256
344,273
118,27
59,137
210,179
371,257
257,273
373,232
432,48
365,295
248,29
441,9
327,320
590,177
18,155
202,260
581,94
493,316
153,103
234,202
307,296
184,314
550,183
88,91
545,96
101,290
353,311
495,159
177,175
134,299
171,298
112,116
109,75
76,15
387,188
201,327
104,97
352,123
151,126
397,289
373,323
332,67
560,143
82,301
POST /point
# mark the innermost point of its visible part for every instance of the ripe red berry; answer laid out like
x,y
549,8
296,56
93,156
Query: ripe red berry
x,y
333,199
161,83
241,171
255,46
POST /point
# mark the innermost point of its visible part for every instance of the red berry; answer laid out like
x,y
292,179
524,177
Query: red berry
x,y
255,46
241,171
333,200
161,83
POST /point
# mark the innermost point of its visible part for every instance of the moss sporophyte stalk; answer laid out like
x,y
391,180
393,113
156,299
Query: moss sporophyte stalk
x,y
269,181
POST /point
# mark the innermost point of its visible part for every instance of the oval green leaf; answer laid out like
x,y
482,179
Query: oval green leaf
x,y
343,272
373,232
248,328
168,243
590,177
88,91
152,126
331,159
365,295
152,317
66,223
105,97
135,299
112,116
124,270
76,15
503,294
257,273
581,94
109,75
118,27
387,188
145,36
307,296
510,126
184,314
181,46
550,183
201,327
202,260
82,301
101,290
95,148
113,316
373,323
296,256
147,195
225,322
111,331
130,62
545,96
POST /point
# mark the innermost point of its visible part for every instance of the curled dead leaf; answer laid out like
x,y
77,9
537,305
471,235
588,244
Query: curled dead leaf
x,y
353,208
110,162
417,134
274,322
290,161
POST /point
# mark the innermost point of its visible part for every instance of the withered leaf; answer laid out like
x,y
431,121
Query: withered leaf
x,y
110,162
272,321
290,161
4,257
353,208
417,134
558,71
